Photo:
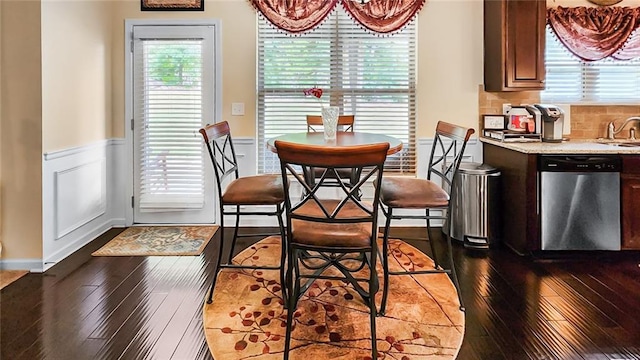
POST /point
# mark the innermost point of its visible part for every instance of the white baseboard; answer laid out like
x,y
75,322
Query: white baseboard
x,y
86,237
33,265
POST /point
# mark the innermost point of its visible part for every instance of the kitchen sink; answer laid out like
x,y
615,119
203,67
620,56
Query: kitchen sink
x,y
620,142
625,144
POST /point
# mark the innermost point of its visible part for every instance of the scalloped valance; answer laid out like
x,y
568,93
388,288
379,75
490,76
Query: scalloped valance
x,y
380,16
596,33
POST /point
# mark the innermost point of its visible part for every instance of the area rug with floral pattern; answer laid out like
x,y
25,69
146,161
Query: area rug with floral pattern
x,y
159,241
246,319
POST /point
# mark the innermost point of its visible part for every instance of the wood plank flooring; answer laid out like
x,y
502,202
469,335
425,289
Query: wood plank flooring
x,y
585,306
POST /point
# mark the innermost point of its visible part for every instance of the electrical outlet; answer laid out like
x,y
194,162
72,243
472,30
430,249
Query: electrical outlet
x,y
506,108
237,109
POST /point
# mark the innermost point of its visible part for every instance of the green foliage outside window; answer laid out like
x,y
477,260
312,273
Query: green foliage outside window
x,y
175,65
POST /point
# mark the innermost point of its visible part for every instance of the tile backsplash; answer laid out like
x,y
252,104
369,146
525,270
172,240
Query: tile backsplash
x,y
491,102
591,121
587,121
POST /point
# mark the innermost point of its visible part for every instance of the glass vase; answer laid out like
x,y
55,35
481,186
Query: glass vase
x,y
330,121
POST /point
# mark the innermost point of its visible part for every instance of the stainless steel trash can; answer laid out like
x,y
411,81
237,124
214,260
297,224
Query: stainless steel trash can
x,y
474,205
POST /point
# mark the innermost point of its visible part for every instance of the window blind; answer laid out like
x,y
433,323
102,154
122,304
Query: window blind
x,y
168,97
366,75
571,80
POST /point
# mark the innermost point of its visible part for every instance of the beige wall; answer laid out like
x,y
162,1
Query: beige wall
x,y
450,63
56,94
21,129
76,73
449,60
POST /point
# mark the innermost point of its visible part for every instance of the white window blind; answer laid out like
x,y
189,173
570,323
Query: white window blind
x,y
571,80
369,76
169,111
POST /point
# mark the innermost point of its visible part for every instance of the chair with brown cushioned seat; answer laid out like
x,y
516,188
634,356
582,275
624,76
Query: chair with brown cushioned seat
x,y
260,190
425,195
339,233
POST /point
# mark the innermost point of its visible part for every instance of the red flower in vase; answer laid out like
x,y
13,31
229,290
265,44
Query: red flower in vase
x,y
315,91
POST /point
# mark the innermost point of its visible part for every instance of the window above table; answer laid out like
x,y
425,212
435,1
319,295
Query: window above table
x,y
370,76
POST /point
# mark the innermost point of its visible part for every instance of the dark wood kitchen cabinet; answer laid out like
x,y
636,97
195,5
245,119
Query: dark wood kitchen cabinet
x,y
630,188
518,205
514,43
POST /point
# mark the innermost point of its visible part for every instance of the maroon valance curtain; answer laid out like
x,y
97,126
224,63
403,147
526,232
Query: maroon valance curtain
x,y
595,33
380,16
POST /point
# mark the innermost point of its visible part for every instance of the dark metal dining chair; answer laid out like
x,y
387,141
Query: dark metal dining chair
x,y
338,233
426,195
261,191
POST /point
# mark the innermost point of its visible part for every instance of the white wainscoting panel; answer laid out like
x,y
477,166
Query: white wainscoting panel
x,y
82,197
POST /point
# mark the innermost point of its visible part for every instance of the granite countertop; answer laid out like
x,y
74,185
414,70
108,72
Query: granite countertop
x,y
581,146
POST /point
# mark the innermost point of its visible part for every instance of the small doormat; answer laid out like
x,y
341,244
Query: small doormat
x,y
159,241
246,319
9,276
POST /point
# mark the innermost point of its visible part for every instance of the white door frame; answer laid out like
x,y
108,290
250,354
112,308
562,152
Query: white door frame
x,y
128,92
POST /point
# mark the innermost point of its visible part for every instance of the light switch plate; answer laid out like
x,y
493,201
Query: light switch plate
x,y
237,109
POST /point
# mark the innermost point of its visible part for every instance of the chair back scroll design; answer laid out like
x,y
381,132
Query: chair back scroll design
x,y
331,233
217,138
448,149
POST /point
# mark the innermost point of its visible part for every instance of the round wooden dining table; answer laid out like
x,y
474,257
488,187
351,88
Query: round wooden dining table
x,y
343,139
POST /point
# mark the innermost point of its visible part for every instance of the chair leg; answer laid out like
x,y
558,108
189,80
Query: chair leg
x,y
385,262
289,329
454,275
283,254
290,304
373,289
431,242
217,269
235,235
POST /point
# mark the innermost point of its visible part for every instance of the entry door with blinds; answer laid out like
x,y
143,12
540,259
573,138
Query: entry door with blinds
x,y
173,97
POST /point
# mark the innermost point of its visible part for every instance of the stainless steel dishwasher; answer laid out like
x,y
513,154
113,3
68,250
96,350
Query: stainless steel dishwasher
x,y
580,202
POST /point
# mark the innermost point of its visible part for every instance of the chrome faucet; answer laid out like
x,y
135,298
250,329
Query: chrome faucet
x,y
611,128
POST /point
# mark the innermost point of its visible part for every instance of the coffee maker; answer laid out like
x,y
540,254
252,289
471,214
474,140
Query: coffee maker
x,y
530,113
552,122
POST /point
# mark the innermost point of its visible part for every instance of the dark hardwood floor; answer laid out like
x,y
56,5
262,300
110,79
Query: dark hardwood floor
x,y
586,307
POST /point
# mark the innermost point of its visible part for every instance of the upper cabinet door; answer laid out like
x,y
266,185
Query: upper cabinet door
x,y
514,40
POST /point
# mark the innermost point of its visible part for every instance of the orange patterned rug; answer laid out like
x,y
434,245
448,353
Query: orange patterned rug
x,y
246,319
159,241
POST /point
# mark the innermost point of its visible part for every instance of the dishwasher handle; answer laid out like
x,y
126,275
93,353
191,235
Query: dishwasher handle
x,y
580,163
